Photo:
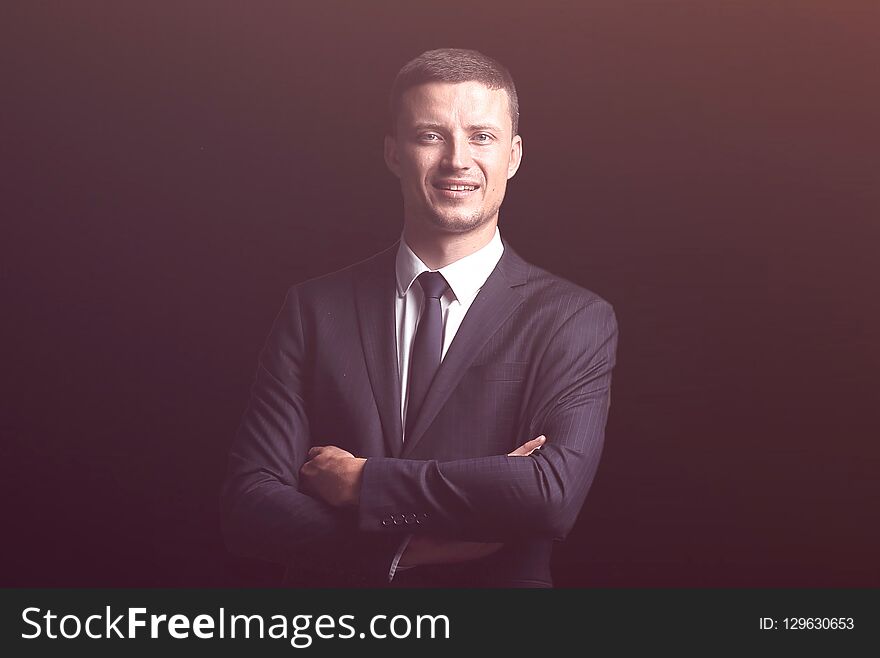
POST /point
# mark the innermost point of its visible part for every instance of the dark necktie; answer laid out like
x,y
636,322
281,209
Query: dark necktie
x,y
427,345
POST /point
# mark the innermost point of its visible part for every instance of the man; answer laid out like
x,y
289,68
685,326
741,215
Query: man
x,y
434,415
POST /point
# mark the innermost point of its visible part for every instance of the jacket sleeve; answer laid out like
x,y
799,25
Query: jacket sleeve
x,y
500,498
263,513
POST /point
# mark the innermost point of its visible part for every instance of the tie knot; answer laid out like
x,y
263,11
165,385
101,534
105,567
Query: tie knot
x,y
433,284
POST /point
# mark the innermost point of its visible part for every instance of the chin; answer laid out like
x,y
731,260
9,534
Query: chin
x,y
460,222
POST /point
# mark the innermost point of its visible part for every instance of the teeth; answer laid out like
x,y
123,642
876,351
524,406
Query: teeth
x,y
460,188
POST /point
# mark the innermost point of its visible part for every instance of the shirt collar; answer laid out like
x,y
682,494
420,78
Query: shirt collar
x,y
465,276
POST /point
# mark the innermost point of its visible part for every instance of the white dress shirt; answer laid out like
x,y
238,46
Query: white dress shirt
x,y
465,277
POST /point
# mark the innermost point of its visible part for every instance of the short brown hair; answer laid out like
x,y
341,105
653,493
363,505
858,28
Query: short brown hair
x,y
453,65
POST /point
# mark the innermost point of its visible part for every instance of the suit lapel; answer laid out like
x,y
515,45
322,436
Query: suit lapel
x,y
497,299
374,298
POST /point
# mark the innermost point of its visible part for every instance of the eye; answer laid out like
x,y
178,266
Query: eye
x,y
429,137
482,138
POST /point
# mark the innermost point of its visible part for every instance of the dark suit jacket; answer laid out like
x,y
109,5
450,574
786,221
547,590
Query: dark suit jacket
x,y
533,356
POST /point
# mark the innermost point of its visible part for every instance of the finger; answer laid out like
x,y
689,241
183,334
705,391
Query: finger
x,y
314,452
305,473
534,444
526,448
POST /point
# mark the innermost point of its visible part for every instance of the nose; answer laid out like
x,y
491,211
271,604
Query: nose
x,y
457,154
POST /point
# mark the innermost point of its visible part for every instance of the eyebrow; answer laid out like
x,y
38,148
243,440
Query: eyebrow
x,y
471,128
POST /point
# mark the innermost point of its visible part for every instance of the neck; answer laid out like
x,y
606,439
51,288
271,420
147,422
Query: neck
x,y
439,249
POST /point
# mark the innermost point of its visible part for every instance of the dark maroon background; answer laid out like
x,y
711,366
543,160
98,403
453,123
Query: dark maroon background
x,y
711,168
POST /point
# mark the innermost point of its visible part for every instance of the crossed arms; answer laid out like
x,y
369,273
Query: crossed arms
x,y
334,475
286,500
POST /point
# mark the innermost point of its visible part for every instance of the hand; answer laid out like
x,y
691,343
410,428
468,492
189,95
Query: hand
x,y
528,447
423,550
333,475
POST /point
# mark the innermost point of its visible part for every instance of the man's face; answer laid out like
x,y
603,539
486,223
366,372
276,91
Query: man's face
x,y
454,152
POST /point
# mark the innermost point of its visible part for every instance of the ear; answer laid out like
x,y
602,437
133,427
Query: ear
x,y
391,159
515,156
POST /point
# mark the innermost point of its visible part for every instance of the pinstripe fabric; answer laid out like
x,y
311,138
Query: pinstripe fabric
x,y
533,355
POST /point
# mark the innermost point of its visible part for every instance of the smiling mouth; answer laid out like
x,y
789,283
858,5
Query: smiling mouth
x,y
455,190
